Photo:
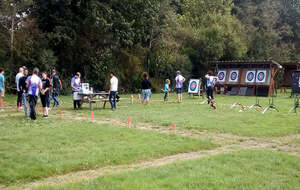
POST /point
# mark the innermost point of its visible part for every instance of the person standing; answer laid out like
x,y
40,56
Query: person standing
x,y
210,88
113,90
57,86
24,90
166,90
2,89
34,85
179,84
19,97
146,89
45,94
76,84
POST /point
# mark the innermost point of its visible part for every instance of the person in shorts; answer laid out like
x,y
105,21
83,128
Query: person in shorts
x,y
34,85
179,84
24,90
76,85
146,89
166,90
2,89
45,93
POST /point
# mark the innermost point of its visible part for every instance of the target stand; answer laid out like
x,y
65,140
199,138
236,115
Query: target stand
x,y
256,104
296,104
271,105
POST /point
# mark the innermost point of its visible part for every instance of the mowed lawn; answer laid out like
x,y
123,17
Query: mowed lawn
x,y
191,114
31,150
245,170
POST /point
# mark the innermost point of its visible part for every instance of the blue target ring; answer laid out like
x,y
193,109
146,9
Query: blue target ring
x,y
260,76
221,76
233,75
250,76
193,86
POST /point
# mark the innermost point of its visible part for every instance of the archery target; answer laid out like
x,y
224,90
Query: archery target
x,y
250,76
234,76
221,76
194,86
261,76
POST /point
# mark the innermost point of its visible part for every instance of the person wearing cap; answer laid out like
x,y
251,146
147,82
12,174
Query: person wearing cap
x,y
76,84
19,98
2,89
179,84
57,86
23,88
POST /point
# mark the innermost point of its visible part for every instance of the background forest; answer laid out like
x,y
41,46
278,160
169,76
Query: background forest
x,y
129,37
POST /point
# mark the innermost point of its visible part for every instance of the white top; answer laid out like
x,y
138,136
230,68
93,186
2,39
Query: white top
x,y
34,84
179,81
114,84
18,76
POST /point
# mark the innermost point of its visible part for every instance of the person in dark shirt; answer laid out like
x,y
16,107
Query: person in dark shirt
x,y
146,89
24,90
57,86
45,92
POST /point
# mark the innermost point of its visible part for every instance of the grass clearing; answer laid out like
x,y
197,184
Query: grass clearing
x,y
247,170
31,150
193,115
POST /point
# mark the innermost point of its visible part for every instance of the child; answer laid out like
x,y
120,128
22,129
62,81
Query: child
x,y
166,90
210,88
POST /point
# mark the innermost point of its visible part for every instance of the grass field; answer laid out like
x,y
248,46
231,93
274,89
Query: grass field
x,y
207,152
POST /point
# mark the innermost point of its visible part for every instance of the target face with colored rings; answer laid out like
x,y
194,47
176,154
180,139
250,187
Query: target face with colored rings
x,y
193,86
221,76
261,76
250,76
233,76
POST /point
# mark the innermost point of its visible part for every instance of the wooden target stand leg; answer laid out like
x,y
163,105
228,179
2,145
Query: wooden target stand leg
x,y
256,102
296,104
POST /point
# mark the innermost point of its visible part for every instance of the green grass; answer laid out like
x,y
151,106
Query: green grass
x,y
246,170
192,115
32,150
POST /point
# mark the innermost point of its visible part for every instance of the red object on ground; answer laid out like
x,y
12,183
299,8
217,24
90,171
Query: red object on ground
x,y
92,115
60,112
129,122
38,108
174,127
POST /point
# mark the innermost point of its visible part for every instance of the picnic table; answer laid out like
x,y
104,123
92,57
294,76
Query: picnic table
x,y
92,98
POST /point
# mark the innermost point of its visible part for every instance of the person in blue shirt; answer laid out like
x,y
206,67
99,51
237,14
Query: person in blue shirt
x,y
166,90
2,89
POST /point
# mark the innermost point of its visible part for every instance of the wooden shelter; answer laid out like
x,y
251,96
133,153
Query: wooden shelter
x,y
246,78
288,67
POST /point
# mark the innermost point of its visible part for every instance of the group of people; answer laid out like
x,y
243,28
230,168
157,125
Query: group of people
x,y
31,87
146,88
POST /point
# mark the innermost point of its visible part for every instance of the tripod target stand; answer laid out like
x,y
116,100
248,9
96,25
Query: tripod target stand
x,y
296,104
271,105
256,102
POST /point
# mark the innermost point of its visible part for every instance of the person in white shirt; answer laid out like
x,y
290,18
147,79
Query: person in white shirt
x,y
19,99
34,85
179,84
113,91
210,88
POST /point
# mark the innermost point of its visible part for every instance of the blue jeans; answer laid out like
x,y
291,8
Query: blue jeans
x,y
24,103
55,99
113,99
